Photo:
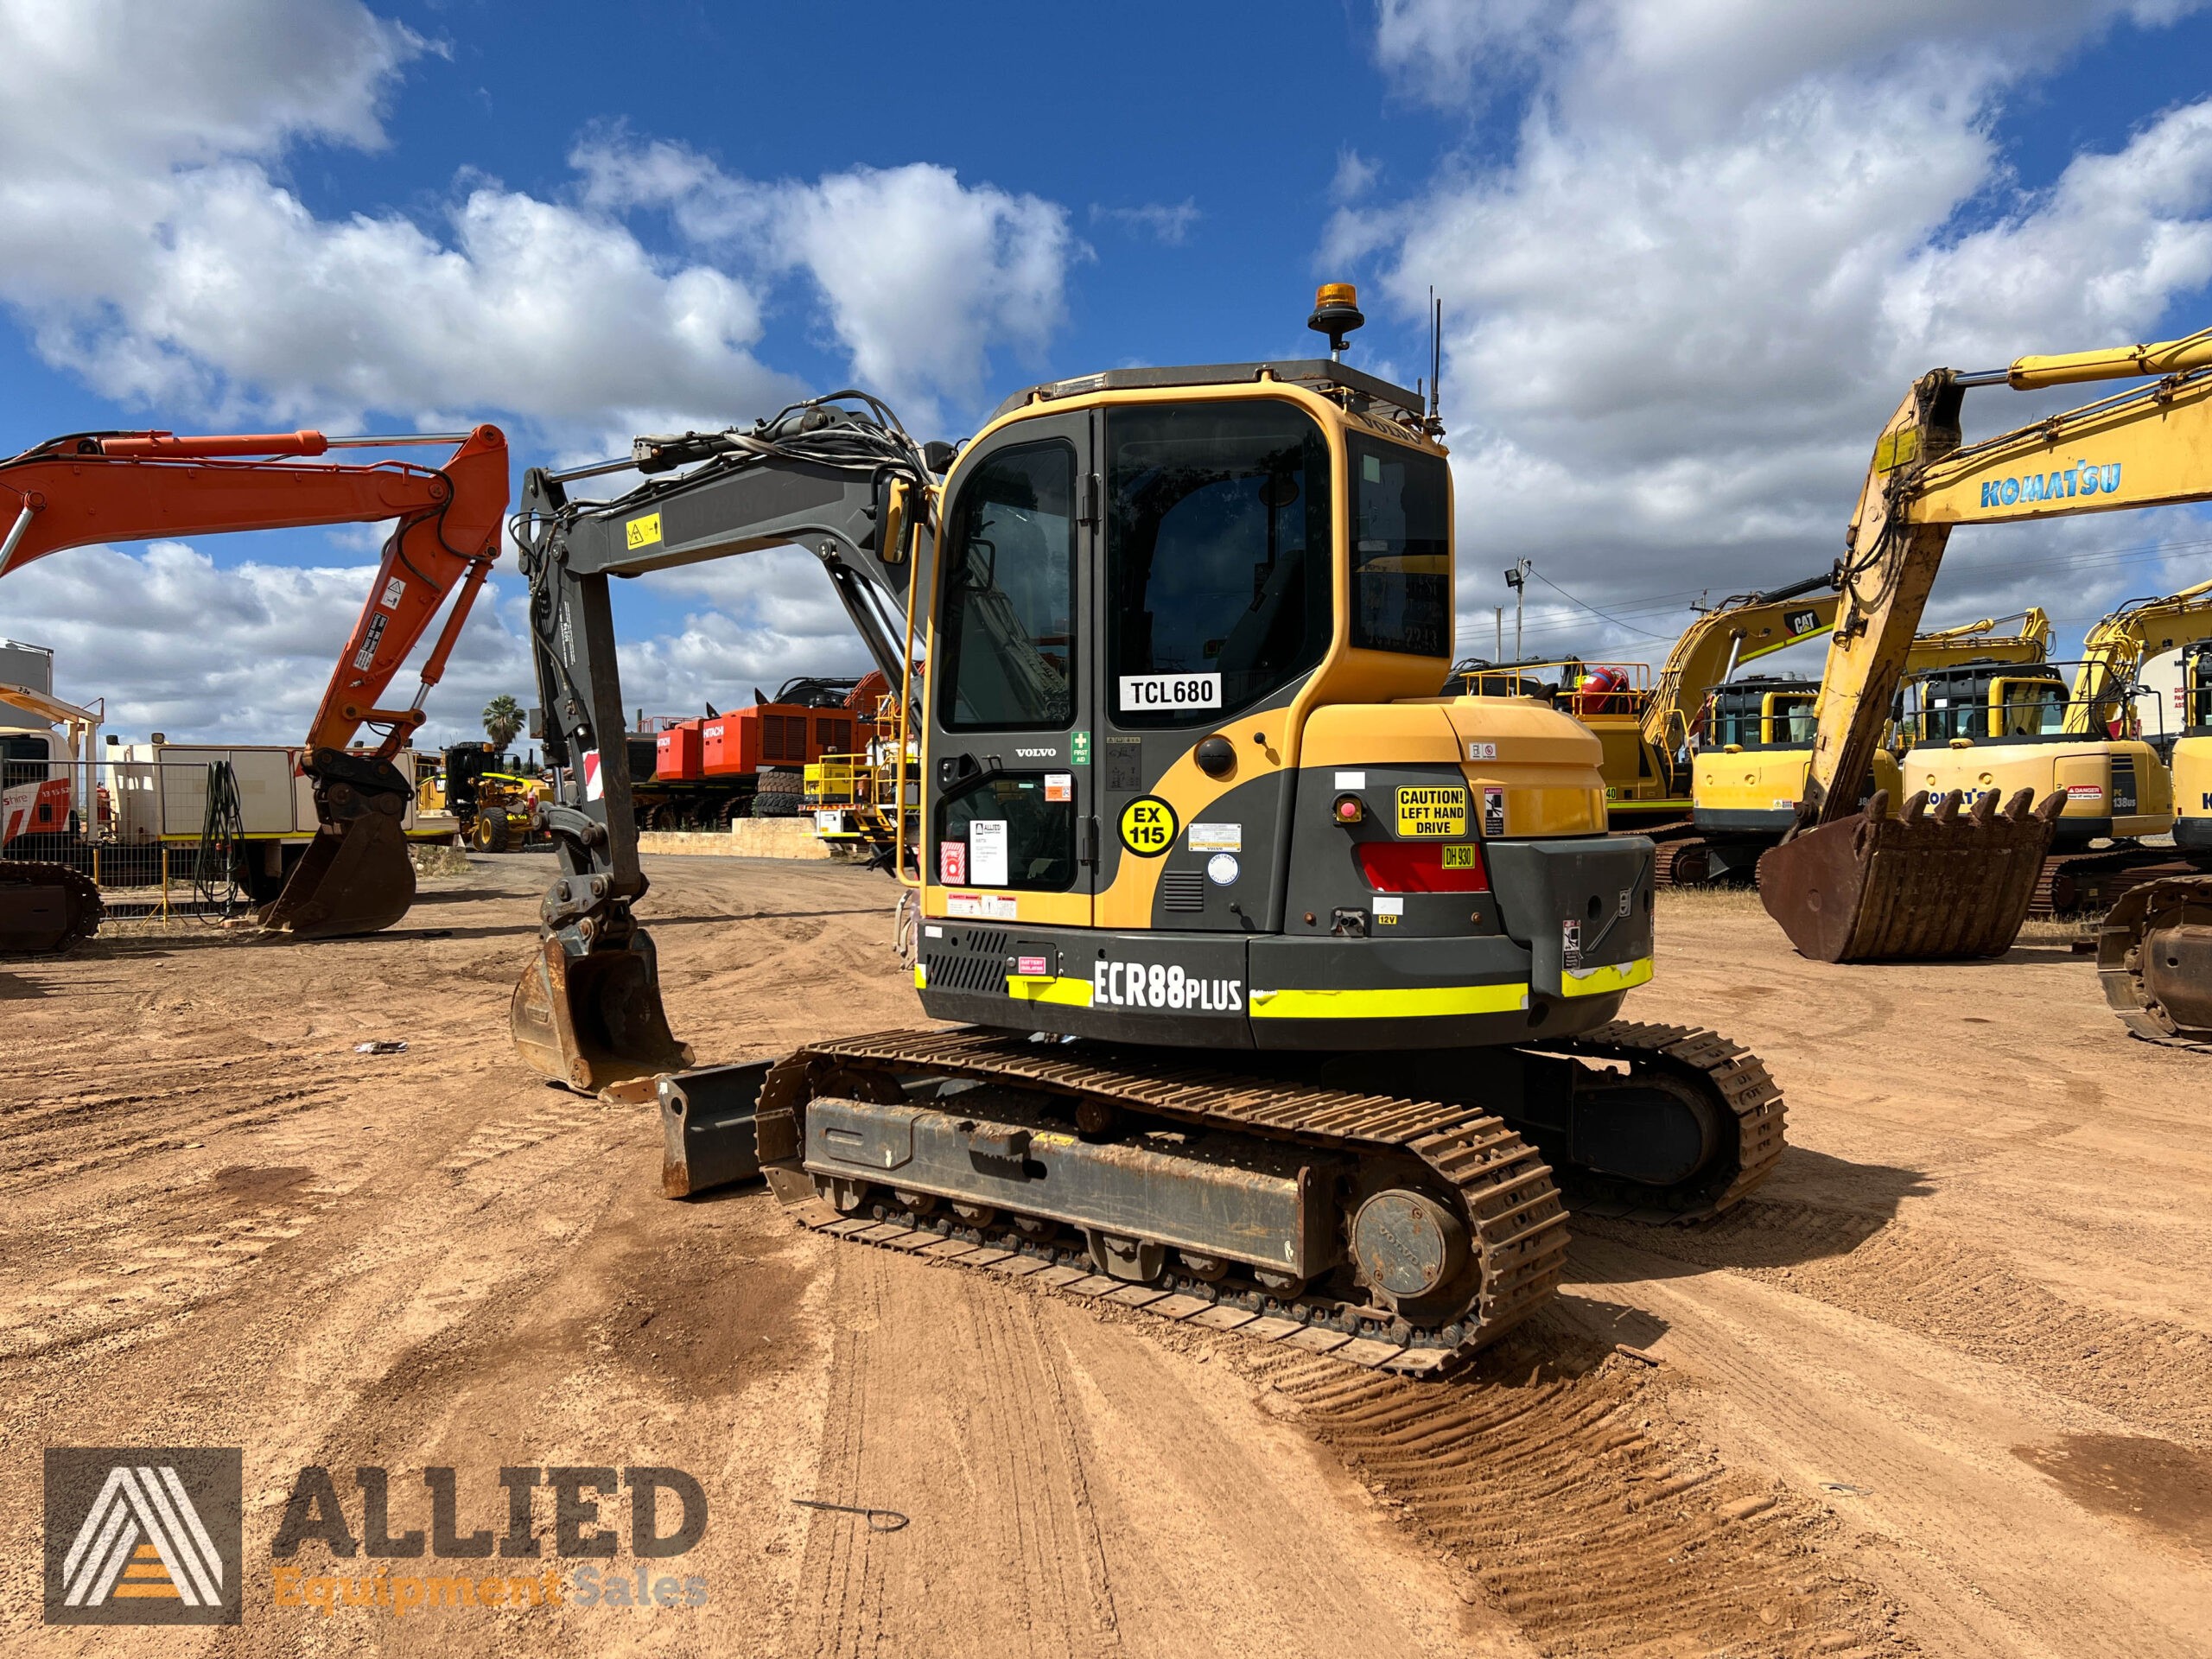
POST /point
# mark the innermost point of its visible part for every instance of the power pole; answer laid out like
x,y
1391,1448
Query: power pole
x,y
1517,580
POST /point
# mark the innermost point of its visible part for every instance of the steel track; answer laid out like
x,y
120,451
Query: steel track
x,y
1516,1219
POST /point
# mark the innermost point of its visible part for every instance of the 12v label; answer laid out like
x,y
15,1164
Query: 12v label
x,y
1426,813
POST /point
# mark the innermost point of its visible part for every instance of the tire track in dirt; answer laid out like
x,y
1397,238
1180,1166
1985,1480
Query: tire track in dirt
x,y
1545,1485
1006,1455
1969,1296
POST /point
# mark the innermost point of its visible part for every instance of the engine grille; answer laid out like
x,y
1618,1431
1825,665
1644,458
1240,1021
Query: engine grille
x,y
1183,890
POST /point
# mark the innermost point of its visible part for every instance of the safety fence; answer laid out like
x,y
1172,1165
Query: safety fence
x,y
161,839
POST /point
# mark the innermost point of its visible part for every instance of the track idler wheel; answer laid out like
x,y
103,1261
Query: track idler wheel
x,y
596,1019
1939,885
45,908
2154,960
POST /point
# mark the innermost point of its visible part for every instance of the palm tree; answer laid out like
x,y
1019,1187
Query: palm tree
x,y
503,719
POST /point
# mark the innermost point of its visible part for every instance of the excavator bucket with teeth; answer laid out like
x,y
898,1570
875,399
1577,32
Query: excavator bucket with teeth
x,y
1940,886
594,1020
355,876
355,879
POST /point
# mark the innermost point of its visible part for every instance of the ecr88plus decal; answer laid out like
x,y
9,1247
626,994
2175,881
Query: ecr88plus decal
x,y
1148,825
1163,985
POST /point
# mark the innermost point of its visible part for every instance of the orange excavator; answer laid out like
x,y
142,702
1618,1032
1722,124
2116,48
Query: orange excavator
x,y
121,487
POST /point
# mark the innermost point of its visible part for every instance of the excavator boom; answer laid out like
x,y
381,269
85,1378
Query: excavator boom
x,y
111,486
1852,886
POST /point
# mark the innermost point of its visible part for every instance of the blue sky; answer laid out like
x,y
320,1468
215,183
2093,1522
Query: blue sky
x,y
1690,258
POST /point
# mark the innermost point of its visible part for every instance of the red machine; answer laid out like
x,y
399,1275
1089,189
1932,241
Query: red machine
x,y
707,768
120,487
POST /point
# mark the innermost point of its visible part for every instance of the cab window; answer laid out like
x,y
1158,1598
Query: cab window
x,y
1401,549
1005,628
1013,829
1217,536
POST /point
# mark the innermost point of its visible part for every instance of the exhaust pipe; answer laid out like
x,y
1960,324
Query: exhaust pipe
x,y
1922,886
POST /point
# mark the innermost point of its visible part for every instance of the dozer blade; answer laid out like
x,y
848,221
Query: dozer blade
x,y
355,877
1922,887
45,908
2154,960
591,1021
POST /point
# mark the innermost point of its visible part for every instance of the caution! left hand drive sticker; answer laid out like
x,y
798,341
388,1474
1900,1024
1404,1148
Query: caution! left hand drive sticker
x,y
1148,826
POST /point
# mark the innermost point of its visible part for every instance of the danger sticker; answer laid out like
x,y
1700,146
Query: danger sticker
x,y
2085,791
1427,812
1493,811
1148,826
393,590
1571,943
1482,751
1059,786
643,532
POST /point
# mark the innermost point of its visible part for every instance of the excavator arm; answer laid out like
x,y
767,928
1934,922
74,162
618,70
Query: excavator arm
x,y
1902,888
1735,632
1969,641
113,486
851,487
2114,651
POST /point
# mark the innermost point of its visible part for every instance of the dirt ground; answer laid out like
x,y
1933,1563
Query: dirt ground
x,y
1943,1386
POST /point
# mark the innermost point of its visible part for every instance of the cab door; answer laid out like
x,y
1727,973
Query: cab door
x,y
1010,836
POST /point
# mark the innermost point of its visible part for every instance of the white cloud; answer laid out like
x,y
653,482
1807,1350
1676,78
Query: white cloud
x,y
921,277
177,644
1167,223
150,243
1726,238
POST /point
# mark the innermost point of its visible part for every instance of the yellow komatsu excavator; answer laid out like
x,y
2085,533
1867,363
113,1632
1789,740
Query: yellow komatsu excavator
x,y
1982,725
1648,731
1756,744
1852,885
1282,984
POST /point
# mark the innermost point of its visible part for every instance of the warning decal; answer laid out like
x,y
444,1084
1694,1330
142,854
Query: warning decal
x,y
1426,813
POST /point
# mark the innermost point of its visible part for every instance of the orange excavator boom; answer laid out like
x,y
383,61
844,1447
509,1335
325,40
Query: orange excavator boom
x,y
119,487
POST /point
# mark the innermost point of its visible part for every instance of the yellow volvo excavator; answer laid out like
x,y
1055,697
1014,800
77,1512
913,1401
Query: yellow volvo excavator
x,y
1852,885
1757,743
1284,986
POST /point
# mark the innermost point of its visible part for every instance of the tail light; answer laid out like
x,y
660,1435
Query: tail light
x,y
1423,866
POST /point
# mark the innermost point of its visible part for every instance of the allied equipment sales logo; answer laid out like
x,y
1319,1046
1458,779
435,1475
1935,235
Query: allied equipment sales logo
x,y
143,1534
151,1536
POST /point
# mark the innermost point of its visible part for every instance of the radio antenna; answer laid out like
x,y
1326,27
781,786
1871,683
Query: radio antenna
x,y
1436,354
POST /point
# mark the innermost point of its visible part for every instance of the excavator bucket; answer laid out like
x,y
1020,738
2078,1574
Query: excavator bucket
x,y
2154,960
594,1020
355,877
1925,886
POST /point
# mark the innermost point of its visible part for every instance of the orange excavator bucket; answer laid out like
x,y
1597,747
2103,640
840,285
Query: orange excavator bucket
x,y
596,1019
1922,886
355,876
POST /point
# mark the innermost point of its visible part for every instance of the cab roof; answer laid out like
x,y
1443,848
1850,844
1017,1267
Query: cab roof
x,y
1319,373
